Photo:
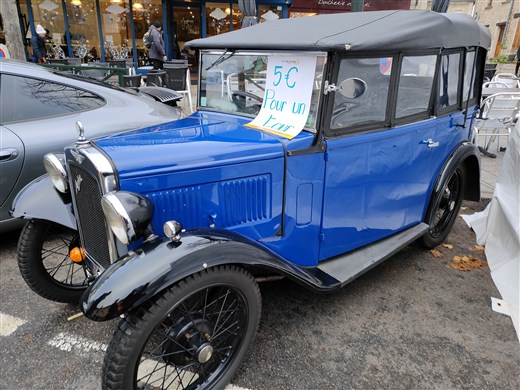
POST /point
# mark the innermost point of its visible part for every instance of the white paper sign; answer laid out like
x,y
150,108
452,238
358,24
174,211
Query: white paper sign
x,y
287,97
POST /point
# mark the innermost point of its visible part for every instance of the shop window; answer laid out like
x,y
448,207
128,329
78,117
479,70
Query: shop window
x,y
84,31
415,85
145,13
117,33
448,81
31,99
218,18
49,14
236,18
369,108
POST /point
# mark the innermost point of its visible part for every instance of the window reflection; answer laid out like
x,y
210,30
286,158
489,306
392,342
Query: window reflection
x,y
37,99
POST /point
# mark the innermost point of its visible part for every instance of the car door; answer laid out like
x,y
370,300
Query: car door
x,y
12,154
379,149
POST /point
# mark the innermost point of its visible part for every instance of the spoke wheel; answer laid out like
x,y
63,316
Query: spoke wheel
x,y
444,209
193,336
45,265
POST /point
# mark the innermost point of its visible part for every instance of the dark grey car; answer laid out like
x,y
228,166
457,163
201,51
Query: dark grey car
x,y
38,111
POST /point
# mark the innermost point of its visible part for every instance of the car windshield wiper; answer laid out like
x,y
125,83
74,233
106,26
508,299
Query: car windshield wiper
x,y
221,59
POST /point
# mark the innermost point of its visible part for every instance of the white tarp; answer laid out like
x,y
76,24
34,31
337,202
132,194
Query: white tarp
x,y
498,228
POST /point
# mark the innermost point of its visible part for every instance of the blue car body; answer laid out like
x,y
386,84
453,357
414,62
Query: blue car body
x,y
325,205
178,222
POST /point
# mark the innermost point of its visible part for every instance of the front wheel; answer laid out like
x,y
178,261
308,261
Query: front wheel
x,y
45,265
193,336
444,209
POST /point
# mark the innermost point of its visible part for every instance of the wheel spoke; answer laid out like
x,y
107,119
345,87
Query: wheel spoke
x,y
222,307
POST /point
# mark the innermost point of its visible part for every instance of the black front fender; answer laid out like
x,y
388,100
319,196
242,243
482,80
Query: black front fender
x,y
40,200
158,264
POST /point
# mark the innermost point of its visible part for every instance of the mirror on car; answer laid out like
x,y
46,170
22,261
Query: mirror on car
x,y
352,88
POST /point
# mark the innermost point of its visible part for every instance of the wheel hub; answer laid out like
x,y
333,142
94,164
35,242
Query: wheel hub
x,y
204,353
188,340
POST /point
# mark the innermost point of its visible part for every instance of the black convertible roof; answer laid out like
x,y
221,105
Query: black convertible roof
x,y
362,31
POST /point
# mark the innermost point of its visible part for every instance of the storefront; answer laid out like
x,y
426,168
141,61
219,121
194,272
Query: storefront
x,y
315,7
103,30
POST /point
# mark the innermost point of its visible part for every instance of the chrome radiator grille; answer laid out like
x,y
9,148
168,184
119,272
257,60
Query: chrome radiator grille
x,y
90,215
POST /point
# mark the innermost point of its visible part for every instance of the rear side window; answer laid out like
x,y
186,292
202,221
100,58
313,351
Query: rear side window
x,y
468,91
415,85
449,81
25,99
369,109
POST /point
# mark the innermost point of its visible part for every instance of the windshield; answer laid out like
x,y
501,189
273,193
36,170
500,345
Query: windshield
x,y
235,82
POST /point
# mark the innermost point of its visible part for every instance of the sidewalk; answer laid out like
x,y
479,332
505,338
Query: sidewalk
x,y
489,169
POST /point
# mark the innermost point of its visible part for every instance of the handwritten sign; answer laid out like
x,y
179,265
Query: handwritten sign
x,y
287,97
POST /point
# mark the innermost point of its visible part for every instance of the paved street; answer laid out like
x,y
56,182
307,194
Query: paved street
x,y
410,323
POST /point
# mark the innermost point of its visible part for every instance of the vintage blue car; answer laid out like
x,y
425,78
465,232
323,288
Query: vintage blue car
x,y
321,146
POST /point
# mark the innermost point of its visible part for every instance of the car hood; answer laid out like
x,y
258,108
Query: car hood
x,y
198,141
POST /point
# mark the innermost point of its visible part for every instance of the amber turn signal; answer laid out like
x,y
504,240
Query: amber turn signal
x,y
77,254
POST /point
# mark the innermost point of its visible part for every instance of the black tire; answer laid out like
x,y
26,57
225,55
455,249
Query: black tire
x,y
444,209
45,265
165,342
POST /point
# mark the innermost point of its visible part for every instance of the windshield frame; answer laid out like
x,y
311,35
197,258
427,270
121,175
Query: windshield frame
x,y
225,53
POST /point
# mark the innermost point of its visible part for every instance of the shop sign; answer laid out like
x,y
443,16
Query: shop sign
x,y
287,97
346,5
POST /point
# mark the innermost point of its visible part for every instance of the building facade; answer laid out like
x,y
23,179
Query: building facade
x,y
501,16
103,30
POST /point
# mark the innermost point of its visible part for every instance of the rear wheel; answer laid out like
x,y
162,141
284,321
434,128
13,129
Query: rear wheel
x,y
45,265
193,336
444,209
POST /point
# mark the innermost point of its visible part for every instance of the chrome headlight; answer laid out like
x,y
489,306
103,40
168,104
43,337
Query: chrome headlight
x,y
55,167
127,214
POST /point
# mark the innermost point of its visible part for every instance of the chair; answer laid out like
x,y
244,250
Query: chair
x,y
131,81
495,84
74,61
62,61
155,78
178,79
177,62
99,74
507,78
496,118
256,86
489,71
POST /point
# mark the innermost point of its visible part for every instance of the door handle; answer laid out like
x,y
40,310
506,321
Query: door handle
x,y
8,154
430,143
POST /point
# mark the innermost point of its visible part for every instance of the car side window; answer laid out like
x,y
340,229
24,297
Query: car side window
x,y
468,90
448,80
415,85
369,108
25,99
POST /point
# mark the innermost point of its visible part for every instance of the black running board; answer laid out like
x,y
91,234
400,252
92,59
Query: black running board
x,y
346,268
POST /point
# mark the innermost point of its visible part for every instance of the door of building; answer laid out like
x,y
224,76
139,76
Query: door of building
x,y
186,26
499,40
